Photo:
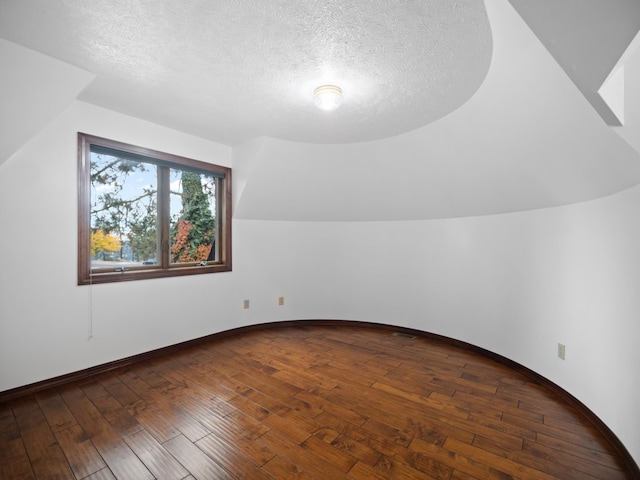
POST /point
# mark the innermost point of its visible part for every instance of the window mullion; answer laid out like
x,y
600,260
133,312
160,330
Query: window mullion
x,y
163,216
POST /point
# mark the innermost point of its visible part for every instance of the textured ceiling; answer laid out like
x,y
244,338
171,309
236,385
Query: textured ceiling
x,y
232,70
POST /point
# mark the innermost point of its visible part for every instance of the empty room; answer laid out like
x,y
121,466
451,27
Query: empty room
x,y
320,240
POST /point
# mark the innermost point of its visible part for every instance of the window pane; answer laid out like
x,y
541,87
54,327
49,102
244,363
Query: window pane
x,y
193,226
123,212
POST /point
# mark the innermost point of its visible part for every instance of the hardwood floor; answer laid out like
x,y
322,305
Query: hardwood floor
x,y
316,402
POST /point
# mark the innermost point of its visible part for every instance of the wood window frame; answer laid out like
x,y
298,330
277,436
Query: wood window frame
x,y
164,268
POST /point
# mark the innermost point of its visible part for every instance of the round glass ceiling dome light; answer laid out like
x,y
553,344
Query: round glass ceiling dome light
x,y
327,97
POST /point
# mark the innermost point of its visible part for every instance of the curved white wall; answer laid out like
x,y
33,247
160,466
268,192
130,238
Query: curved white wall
x,y
515,284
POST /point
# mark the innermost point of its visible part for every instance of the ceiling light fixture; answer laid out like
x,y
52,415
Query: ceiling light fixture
x,y
327,97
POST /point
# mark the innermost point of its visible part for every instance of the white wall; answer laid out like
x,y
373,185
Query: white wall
x,y
515,284
45,318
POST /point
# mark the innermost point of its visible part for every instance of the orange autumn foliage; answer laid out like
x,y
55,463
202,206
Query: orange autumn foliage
x,y
180,248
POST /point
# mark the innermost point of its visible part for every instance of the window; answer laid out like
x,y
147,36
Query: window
x,y
147,214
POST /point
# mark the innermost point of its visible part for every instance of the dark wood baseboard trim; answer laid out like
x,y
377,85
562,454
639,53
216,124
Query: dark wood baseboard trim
x,y
36,387
611,437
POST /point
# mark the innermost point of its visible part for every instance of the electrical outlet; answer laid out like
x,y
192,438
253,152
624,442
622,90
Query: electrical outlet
x,y
561,351
246,304
280,301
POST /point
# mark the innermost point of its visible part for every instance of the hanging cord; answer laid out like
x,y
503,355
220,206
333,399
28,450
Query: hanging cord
x,y
90,320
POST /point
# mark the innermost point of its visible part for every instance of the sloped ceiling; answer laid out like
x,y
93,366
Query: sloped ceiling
x,y
34,89
586,38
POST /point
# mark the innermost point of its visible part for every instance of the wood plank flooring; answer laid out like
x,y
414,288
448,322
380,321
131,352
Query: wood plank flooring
x,y
305,403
